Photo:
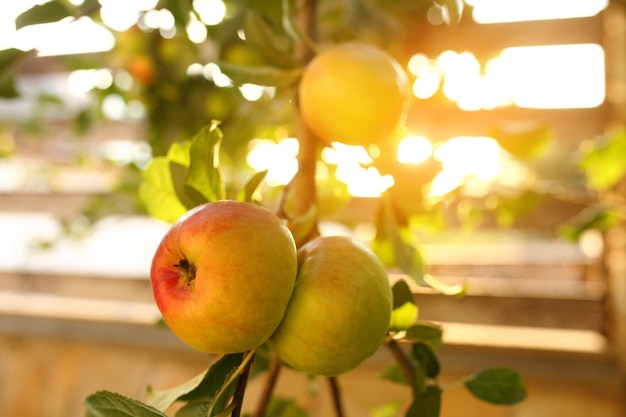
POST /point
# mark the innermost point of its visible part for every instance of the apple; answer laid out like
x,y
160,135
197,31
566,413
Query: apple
x,y
339,311
223,274
354,93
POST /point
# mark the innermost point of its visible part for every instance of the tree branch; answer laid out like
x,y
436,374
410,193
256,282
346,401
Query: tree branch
x,y
266,395
336,394
405,365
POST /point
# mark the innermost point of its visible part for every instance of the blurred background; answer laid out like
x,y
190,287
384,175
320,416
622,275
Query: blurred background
x,y
510,174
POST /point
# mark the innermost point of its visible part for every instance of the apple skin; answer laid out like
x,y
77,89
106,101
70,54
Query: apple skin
x,y
354,93
339,311
223,274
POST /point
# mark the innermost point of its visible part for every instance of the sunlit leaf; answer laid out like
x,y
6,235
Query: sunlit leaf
x,y
387,410
604,163
406,255
189,197
110,404
265,75
497,385
524,141
426,404
425,332
249,191
598,218
157,192
405,310
205,175
51,11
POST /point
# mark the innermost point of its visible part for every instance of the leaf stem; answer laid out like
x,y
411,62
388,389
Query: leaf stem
x,y
336,394
266,395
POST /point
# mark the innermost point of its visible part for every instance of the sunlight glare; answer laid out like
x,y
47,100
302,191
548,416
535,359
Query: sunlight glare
x,y
498,11
279,159
350,160
471,156
65,37
414,149
211,12
555,76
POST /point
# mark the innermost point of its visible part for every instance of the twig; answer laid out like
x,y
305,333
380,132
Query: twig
x,y
268,389
405,365
240,390
336,394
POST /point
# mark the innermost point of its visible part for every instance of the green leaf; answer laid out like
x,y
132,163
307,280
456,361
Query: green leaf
x,y
265,75
393,373
215,377
425,332
205,175
157,192
249,191
51,11
8,58
269,39
598,218
387,410
405,310
604,163
163,399
283,407
426,404
180,10
524,141
426,358
110,404
407,256
497,386
189,197
291,26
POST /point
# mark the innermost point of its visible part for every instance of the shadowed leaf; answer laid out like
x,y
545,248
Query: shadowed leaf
x,y
497,386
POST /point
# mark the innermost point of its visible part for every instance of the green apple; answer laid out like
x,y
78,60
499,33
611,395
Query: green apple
x,y
222,276
339,311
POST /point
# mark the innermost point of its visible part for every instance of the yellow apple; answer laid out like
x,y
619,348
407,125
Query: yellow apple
x,y
339,311
222,276
354,93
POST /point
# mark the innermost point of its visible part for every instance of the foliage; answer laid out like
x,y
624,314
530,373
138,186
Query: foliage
x,y
187,172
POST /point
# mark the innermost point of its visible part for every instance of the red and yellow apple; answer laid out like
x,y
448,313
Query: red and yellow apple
x,y
339,311
223,274
354,93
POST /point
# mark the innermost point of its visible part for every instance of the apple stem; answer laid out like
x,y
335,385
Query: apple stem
x,y
337,398
241,386
268,389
